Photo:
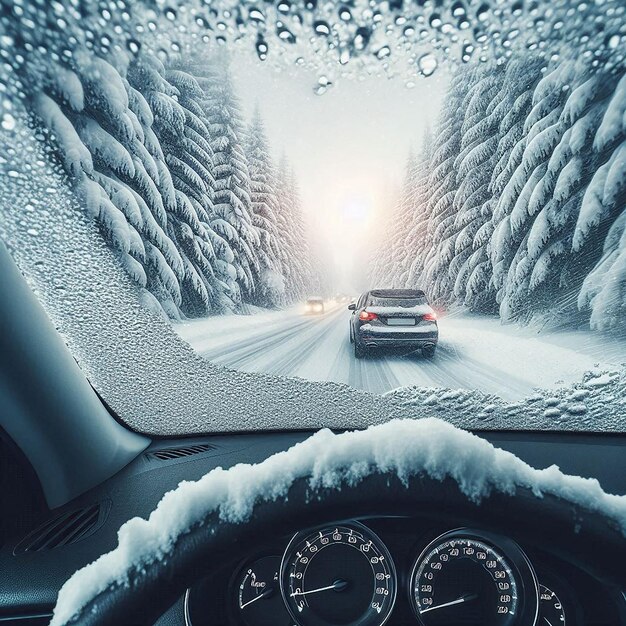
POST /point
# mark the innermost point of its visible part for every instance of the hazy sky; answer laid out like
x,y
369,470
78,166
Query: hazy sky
x,y
348,147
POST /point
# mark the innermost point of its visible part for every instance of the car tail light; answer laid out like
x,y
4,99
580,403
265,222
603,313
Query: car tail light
x,y
430,317
366,316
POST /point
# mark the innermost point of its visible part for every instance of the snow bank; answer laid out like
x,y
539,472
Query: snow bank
x,y
402,447
597,397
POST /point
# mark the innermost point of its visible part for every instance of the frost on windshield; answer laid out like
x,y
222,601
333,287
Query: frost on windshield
x,y
139,194
403,448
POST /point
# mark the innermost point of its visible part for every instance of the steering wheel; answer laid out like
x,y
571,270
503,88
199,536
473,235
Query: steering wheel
x,y
578,534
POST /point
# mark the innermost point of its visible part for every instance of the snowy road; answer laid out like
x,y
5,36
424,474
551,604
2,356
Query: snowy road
x,y
473,353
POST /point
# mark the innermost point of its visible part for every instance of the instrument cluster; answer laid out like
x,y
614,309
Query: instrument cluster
x,y
371,574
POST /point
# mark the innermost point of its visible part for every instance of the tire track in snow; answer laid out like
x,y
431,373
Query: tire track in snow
x,y
472,354
244,352
288,364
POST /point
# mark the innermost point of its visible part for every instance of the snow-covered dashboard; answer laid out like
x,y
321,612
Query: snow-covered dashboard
x,y
400,572
30,581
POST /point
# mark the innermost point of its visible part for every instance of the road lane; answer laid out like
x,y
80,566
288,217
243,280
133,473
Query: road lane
x,y
473,353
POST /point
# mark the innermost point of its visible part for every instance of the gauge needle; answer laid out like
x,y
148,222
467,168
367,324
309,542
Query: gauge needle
x,y
262,595
457,601
338,585
547,620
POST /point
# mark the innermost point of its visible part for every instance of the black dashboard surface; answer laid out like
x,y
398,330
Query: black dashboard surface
x,y
30,580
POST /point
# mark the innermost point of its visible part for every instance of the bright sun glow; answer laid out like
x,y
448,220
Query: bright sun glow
x,y
356,210
348,149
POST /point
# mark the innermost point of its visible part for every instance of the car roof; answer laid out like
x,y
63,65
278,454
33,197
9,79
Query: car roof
x,y
397,293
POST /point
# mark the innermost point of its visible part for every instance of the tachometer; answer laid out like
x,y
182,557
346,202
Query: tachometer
x,y
338,575
551,609
465,577
259,602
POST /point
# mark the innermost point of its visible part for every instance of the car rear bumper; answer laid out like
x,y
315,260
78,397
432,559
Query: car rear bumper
x,y
416,336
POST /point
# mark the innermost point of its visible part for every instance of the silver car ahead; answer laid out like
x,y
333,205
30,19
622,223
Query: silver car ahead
x,y
393,318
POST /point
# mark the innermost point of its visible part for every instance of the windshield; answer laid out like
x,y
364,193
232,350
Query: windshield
x,y
207,197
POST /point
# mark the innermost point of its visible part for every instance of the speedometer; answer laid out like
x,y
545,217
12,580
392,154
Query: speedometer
x,y
465,577
338,575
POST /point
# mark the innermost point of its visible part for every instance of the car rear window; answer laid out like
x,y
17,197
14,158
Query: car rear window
x,y
404,302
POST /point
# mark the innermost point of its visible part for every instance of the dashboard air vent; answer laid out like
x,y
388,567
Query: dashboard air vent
x,y
166,454
65,529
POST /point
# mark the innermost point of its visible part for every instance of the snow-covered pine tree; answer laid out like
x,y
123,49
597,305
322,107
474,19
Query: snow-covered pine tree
x,y
379,267
400,254
103,133
603,206
232,204
443,187
544,174
544,130
190,161
309,277
417,242
520,80
557,198
270,291
182,137
469,269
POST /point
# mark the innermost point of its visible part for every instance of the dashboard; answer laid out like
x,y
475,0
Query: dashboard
x,y
420,568
400,572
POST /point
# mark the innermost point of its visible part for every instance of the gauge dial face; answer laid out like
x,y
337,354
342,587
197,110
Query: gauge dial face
x,y
551,612
464,579
259,601
338,575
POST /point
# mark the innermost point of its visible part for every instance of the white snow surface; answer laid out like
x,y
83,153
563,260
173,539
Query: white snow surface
x,y
474,353
406,448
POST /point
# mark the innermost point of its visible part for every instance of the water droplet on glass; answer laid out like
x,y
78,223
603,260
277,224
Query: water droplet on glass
x,y
383,53
458,9
613,42
345,14
284,33
255,15
361,38
8,121
133,45
261,48
482,13
480,37
427,64
323,84
467,52
321,27
435,20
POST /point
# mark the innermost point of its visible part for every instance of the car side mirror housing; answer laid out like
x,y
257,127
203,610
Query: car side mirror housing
x,y
352,307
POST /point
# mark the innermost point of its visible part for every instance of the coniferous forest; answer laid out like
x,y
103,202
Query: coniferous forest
x,y
183,188
515,203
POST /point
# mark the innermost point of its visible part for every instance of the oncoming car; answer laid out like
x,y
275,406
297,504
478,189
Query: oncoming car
x,y
393,318
314,306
